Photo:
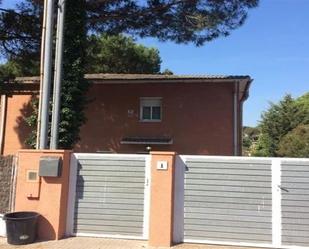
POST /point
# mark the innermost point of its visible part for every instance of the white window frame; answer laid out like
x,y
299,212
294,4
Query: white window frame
x,y
151,102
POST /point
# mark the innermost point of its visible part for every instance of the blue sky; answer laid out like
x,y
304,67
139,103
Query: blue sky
x,y
272,47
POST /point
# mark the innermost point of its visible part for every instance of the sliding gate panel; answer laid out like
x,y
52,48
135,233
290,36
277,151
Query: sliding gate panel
x,y
228,200
110,195
295,202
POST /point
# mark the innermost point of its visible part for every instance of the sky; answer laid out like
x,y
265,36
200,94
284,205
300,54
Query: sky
x,y
272,47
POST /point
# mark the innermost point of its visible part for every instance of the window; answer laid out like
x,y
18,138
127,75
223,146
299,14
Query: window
x,y
150,109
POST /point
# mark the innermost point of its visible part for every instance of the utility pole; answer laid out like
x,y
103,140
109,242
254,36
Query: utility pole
x,y
47,75
57,76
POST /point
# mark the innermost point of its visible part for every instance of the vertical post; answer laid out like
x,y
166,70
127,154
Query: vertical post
x,y
180,168
71,195
276,202
41,75
47,75
162,199
57,76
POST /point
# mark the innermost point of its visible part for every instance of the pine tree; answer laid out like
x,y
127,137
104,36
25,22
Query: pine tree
x,y
277,121
295,143
120,54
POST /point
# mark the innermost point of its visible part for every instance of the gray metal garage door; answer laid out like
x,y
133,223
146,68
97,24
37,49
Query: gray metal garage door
x,y
110,195
228,200
295,202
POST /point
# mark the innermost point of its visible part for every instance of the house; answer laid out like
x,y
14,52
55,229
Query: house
x,y
134,113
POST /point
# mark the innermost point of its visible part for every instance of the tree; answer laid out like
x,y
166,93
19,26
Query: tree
x,y
295,143
277,121
15,68
250,137
20,40
9,70
104,54
303,104
120,54
175,20
20,32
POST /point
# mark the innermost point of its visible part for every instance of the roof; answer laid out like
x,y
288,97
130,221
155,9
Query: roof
x,y
160,76
143,77
243,80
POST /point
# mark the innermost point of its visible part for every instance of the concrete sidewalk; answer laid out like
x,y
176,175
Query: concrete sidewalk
x,y
100,243
80,243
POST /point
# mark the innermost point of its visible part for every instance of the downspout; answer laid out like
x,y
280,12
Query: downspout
x,y
235,123
2,122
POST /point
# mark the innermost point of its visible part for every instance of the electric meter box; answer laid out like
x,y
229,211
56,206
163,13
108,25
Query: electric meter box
x,y
50,166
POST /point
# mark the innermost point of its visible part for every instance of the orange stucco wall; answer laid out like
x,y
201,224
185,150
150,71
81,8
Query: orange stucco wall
x,y
16,130
48,196
162,200
198,117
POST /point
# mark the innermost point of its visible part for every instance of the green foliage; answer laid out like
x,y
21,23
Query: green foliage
x,y
16,68
20,31
278,121
303,105
104,54
8,71
263,145
120,54
31,121
295,143
250,136
74,86
179,21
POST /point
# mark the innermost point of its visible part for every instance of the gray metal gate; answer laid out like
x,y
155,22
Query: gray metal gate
x,y
295,202
110,196
228,200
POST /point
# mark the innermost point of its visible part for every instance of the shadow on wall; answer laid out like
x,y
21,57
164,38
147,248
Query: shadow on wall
x,y
45,229
26,124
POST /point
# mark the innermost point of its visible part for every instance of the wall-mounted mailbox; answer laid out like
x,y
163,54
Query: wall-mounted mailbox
x,y
50,166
